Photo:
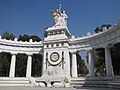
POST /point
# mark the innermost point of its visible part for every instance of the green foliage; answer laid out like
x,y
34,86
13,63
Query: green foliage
x,y
21,59
115,53
35,38
99,61
8,36
82,68
100,29
21,63
37,65
99,55
4,64
25,37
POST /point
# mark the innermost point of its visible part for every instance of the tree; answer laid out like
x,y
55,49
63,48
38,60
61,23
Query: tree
x,y
115,54
35,38
100,29
99,54
21,64
5,58
8,36
99,61
22,59
24,37
37,65
82,68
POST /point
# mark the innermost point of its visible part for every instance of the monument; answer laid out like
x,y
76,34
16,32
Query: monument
x,y
56,63
59,55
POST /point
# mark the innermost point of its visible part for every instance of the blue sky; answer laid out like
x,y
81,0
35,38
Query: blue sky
x,y
32,16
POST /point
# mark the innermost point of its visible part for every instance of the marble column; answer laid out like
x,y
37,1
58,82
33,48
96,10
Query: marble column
x,y
108,61
91,63
29,65
74,64
45,58
12,65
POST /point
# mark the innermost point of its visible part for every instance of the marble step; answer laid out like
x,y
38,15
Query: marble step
x,y
14,82
6,81
100,86
15,85
110,85
96,82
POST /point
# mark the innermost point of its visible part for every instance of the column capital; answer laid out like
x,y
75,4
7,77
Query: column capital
x,y
73,51
89,49
29,54
14,53
107,45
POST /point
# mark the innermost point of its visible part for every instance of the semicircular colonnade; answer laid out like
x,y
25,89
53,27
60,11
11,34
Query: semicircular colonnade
x,y
104,39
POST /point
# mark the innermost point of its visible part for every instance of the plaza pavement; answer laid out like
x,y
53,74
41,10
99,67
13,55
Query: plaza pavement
x,y
38,88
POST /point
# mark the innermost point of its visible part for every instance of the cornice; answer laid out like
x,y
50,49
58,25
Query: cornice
x,y
110,36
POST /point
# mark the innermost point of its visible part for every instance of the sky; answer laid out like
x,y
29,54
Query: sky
x,y
33,16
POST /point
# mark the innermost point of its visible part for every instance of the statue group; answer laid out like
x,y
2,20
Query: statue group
x,y
60,17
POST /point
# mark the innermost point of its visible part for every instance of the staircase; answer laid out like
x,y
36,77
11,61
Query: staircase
x,y
19,81
110,82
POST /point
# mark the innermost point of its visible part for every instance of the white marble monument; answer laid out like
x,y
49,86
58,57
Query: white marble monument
x,y
59,54
56,62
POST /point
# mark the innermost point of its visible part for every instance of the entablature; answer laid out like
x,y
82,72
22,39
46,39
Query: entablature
x,y
20,47
110,36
